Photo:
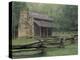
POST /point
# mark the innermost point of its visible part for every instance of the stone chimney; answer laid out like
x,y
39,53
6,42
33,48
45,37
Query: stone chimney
x,y
24,26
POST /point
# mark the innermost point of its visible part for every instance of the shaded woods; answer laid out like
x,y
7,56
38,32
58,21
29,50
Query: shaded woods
x,y
65,17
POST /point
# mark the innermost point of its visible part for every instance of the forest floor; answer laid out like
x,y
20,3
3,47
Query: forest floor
x,y
24,40
68,50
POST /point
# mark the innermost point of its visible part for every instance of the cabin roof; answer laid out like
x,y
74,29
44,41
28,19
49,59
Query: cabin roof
x,y
42,20
40,16
44,23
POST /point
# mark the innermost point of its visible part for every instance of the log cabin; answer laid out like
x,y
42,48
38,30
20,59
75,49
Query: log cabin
x,y
34,24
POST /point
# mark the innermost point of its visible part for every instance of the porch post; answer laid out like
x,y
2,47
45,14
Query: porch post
x,y
33,28
47,31
40,31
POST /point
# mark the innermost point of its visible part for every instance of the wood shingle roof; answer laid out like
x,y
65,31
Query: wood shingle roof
x,y
42,20
40,16
44,23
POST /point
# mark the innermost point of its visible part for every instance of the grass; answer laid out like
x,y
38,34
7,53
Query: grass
x,y
68,50
22,41
64,34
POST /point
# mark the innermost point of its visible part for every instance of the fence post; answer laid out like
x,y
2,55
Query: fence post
x,y
42,47
61,42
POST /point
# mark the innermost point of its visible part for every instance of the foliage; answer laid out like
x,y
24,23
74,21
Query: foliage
x,y
65,16
16,7
71,17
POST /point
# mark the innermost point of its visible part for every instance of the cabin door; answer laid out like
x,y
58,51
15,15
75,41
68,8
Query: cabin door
x,y
43,32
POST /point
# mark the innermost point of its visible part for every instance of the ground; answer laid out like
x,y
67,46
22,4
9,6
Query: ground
x,y
70,49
